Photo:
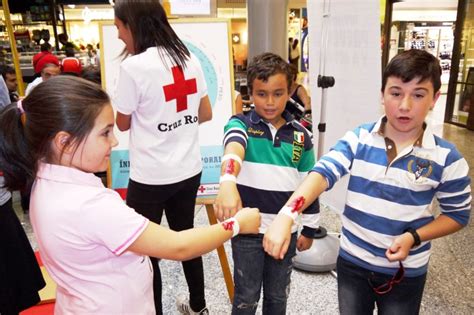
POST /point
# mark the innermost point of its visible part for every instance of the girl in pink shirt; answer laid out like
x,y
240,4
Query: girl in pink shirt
x,y
93,245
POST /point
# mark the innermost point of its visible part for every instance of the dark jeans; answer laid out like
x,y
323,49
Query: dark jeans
x,y
252,267
178,201
356,296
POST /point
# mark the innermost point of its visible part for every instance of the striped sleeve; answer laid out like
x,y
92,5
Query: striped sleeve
x,y
454,190
338,161
235,131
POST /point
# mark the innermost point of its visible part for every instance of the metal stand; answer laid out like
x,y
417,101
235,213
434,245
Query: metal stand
x,y
322,255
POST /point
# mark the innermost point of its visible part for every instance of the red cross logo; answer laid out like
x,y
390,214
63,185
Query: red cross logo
x,y
201,189
180,89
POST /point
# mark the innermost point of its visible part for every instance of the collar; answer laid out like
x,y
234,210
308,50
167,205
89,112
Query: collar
x,y
69,175
425,140
255,118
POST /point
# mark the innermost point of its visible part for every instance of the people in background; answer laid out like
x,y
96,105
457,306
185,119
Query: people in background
x,y
162,98
44,57
92,73
9,76
70,64
49,70
299,103
295,53
243,101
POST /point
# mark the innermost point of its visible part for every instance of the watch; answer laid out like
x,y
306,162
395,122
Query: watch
x,y
415,235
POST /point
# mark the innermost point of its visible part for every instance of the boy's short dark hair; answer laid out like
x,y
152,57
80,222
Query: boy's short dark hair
x,y
266,65
4,69
412,64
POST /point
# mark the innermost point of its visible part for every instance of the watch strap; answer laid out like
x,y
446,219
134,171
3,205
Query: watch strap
x,y
415,235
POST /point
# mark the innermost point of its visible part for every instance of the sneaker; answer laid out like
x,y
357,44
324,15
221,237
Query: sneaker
x,y
184,308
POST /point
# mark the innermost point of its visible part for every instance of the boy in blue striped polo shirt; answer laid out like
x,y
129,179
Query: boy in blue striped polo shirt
x,y
271,153
397,167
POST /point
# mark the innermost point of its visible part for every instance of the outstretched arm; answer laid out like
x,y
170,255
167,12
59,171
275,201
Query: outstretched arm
x,y
277,237
228,200
158,241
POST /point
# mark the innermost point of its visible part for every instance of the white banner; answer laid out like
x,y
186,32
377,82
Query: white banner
x,y
353,58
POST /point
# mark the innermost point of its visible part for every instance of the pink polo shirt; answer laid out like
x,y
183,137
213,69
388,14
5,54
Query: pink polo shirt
x,y
83,231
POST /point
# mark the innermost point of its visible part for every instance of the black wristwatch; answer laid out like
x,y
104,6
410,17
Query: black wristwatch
x,y
415,235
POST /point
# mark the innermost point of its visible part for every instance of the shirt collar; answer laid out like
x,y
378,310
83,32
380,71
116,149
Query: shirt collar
x,y
425,140
68,175
255,118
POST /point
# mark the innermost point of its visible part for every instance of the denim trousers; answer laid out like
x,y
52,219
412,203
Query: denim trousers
x,y
252,268
177,201
357,297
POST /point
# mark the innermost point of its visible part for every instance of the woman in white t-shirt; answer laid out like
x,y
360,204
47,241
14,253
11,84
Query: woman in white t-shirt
x,y
162,98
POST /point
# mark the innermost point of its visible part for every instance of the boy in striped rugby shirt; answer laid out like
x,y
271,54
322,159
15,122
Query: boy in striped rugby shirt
x,y
397,167
270,152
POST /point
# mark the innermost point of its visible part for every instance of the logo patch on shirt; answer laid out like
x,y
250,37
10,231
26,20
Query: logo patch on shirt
x,y
421,168
255,132
298,144
298,136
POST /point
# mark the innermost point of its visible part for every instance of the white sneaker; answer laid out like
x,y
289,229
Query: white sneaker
x,y
183,306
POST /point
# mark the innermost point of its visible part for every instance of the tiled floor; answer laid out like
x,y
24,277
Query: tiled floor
x,y
449,288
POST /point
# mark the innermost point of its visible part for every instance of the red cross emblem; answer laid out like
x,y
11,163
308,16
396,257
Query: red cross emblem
x,y
180,89
201,189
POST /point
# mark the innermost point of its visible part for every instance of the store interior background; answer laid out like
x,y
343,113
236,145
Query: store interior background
x,y
421,24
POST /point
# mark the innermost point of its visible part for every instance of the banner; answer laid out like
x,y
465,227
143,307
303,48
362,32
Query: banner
x,y
353,57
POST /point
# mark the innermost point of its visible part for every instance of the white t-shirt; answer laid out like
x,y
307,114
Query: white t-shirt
x,y
83,230
32,85
164,133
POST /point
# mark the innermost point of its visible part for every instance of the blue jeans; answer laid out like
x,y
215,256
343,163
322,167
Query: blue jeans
x,y
356,296
252,267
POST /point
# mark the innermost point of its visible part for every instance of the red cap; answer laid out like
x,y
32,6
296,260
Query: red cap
x,y
71,65
43,58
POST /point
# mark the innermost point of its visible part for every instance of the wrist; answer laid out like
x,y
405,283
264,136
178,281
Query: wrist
x,y
289,212
415,235
227,178
231,156
231,224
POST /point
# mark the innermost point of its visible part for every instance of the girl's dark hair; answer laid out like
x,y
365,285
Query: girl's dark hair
x,y
266,65
62,103
149,26
411,64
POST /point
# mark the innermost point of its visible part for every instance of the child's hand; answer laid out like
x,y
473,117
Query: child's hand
x,y
249,220
227,202
278,236
303,243
400,247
